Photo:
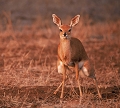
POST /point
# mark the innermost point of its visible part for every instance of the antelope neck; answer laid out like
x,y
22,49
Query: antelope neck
x,y
65,44
66,49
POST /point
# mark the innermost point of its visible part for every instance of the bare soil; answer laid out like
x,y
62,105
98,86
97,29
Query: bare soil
x,y
39,96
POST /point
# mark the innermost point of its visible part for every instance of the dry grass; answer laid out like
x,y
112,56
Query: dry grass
x,y
28,74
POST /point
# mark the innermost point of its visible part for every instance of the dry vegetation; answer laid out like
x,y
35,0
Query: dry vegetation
x,y
28,54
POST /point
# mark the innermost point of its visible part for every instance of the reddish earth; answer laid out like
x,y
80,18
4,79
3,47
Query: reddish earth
x,y
44,94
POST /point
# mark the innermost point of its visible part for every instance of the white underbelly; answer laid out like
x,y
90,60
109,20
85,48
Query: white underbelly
x,y
60,67
83,71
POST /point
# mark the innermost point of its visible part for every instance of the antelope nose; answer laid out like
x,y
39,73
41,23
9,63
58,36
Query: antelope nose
x,y
65,34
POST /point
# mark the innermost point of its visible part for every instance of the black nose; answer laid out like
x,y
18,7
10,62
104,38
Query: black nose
x,y
65,34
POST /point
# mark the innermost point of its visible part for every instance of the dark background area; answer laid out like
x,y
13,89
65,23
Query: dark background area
x,y
27,10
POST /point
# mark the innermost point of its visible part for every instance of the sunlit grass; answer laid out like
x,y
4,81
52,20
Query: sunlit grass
x,y
29,59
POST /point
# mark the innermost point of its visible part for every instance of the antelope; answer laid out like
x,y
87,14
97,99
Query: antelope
x,y
71,53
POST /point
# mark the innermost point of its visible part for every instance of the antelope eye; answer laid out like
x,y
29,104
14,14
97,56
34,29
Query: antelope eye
x,y
60,30
69,30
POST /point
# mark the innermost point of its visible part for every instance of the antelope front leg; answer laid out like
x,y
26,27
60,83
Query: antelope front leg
x,y
80,89
58,87
77,77
62,92
63,82
61,69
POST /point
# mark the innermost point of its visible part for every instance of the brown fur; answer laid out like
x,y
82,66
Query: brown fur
x,y
71,50
72,53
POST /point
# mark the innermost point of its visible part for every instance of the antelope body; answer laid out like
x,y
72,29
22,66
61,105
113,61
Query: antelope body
x,y
71,53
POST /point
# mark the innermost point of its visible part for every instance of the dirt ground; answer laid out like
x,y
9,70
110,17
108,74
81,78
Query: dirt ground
x,y
28,53
42,96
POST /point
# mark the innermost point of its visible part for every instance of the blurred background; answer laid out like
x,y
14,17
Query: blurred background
x,y
25,12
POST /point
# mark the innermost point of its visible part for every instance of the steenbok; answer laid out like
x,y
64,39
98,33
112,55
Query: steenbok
x,y
71,53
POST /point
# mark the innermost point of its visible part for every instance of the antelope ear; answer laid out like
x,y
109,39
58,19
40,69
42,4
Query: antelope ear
x,y
56,20
74,20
